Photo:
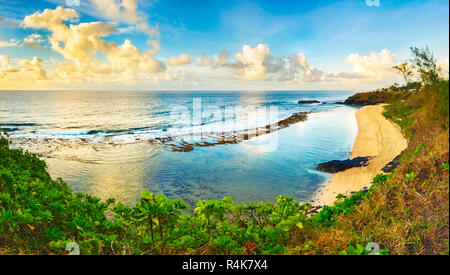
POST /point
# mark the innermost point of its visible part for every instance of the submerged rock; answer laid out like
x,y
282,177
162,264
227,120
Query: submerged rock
x,y
297,117
335,166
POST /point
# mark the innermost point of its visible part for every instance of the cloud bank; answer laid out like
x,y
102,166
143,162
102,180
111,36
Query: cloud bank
x,y
89,56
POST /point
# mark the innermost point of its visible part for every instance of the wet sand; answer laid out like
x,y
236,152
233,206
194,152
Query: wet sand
x,y
378,138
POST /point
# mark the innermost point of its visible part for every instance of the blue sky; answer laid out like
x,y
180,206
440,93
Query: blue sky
x,y
326,33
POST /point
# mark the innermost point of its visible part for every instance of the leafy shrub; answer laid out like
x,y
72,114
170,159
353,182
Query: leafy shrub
x,y
42,215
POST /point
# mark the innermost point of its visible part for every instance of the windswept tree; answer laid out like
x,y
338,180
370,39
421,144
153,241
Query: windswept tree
x,y
406,70
424,61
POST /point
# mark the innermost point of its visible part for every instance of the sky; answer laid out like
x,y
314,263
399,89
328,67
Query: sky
x,y
215,44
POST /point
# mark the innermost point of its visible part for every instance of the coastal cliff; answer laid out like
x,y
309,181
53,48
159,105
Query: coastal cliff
x,y
376,97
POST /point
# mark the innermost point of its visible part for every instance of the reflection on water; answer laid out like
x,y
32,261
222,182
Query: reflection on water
x,y
102,169
89,159
245,171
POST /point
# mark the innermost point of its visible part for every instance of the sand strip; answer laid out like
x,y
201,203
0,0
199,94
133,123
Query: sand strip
x,y
377,137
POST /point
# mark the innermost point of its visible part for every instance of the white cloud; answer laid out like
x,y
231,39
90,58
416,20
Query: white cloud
x,y
33,41
253,59
5,69
375,66
205,61
258,63
181,60
125,11
274,64
82,46
35,67
25,68
4,64
310,74
11,43
33,38
221,60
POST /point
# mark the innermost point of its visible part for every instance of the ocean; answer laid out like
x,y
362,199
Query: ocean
x,y
253,146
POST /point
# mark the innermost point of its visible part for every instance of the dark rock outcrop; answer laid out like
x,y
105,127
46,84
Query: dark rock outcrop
x,y
308,101
335,166
297,117
389,168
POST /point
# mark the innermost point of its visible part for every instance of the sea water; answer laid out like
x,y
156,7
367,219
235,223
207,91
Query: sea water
x,y
117,143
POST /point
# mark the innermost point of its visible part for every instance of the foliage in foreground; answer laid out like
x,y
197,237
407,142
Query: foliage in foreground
x,y
42,215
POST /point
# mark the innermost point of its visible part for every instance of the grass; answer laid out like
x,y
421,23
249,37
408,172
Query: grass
x,y
409,213
399,113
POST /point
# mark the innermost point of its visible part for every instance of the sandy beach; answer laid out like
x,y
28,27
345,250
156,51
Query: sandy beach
x,y
378,138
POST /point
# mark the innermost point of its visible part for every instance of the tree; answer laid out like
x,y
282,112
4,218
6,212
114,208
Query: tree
x,y
405,69
425,63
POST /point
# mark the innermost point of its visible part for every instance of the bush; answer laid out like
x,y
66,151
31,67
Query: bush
x,y
42,215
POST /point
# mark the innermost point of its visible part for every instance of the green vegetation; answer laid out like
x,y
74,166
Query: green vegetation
x,y
328,215
376,97
425,63
405,213
41,215
445,166
405,70
400,114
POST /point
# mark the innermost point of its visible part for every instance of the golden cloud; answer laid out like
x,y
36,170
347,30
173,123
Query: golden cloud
x,y
84,49
374,66
253,58
181,60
